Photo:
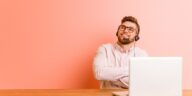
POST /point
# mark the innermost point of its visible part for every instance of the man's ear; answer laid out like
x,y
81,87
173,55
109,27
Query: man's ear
x,y
137,36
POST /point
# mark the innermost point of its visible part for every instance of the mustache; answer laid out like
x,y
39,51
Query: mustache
x,y
126,38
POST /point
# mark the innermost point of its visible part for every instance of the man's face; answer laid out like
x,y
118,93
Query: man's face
x,y
127,32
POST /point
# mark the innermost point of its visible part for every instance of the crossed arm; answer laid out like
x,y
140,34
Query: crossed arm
x,y
103,71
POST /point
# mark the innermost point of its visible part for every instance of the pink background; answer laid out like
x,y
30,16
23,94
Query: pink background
x,y
51,43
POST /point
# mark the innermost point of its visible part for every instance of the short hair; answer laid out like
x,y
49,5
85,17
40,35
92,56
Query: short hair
x,y
131,19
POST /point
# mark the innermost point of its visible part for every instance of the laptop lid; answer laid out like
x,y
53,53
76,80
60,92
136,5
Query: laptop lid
x,y
155,76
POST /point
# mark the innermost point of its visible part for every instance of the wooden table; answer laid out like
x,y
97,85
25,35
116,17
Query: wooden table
x,y
62,92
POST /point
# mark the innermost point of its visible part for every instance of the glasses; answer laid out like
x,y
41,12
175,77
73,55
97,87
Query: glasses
x,y
130,29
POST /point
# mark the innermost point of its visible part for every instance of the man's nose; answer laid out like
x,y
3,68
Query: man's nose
x,y
126,30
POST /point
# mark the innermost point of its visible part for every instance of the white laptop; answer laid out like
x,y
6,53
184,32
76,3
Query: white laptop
x,y
155,76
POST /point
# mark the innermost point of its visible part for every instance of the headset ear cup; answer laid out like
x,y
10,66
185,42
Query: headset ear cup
x,y
137,38
117,33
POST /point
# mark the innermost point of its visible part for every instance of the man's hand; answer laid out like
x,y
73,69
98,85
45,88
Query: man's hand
x,y
125,81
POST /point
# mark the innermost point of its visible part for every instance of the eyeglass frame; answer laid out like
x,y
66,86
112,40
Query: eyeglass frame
x,y
130,29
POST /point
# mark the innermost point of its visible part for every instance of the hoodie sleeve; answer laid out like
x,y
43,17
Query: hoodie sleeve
x,y
104,72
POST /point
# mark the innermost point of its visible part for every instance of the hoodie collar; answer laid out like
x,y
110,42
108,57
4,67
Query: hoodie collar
x,y
118,47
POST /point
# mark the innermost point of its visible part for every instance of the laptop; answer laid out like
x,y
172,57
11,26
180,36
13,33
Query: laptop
x,y
155,76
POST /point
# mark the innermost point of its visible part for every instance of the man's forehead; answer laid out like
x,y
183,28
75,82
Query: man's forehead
x,y
129,24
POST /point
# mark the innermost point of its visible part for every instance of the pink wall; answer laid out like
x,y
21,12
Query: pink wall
x,y
51,43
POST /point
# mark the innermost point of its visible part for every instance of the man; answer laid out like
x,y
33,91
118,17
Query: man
x,y
111,63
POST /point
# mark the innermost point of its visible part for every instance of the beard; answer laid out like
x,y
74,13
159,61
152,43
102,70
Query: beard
x,y
125,41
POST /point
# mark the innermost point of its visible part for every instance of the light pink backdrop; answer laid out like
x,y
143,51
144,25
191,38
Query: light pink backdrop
x,y
51,43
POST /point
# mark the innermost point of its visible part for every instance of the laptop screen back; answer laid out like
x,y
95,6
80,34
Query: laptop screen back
x,y
155,76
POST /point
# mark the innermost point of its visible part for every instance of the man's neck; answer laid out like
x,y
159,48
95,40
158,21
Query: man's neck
x,y
126,47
